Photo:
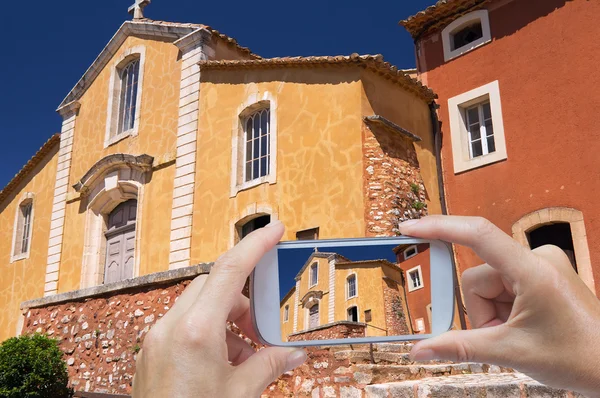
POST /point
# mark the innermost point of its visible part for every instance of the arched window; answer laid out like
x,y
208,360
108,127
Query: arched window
x,y
23,229
351,288
257,154
128,105
353,314
286,313
245,228
314,275
466,33
557,234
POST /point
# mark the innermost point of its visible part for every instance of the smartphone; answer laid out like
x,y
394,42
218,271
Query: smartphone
x,y
353,291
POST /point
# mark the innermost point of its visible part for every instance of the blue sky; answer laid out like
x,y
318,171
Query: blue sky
x,y
48,45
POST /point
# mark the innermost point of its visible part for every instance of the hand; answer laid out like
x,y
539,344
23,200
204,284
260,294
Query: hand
x,y
530,309
190,353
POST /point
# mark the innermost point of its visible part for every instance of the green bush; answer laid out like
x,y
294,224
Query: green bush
x,y
32,367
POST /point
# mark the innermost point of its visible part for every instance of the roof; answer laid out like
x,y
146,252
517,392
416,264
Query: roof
x,y
29,166
373,63
145,28
391,126
381,261
439,15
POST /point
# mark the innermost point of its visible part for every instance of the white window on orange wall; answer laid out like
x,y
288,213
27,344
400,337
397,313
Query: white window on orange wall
x,y
415,278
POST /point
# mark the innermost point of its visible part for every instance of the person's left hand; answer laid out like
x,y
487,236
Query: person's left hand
x,y
190,352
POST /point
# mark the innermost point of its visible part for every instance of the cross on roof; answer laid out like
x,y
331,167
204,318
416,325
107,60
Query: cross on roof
x,y
137,9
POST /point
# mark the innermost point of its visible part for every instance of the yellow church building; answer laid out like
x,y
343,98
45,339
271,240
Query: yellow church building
x,y
335,298
177,142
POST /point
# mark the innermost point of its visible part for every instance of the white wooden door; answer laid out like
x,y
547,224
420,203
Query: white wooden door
x,y
120,242
313,316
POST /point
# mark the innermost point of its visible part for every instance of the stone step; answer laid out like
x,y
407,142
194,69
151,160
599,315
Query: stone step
x,y
393,347
505,385
383,373
379,357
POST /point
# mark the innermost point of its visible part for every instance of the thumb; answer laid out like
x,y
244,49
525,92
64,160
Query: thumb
x,y
264,367
478,345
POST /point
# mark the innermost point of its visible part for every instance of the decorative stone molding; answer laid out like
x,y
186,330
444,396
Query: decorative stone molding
x,y
296,305
391,126
113,182
331,307
114,96
251,211
252,103
194,48
143,162
551,215
69,114
18,234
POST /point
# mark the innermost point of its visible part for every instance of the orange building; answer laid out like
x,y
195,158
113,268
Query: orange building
x,y
517,83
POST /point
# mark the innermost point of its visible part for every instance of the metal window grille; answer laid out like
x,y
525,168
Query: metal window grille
x,y
258,151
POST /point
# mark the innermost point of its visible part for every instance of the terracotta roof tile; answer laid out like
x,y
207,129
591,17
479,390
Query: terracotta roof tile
x,y
29,166
229,40
374,63
438,15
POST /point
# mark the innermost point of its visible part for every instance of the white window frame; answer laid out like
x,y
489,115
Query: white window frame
x,y
286,313
26,199
357,312
312,283
253,103
447,33
112,134
483,136
417,269
461,145
348,297
413,247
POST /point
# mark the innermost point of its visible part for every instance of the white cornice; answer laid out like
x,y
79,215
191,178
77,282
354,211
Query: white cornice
x,y
170,32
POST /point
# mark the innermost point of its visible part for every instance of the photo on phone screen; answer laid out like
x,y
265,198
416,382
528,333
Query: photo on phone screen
x,y
354,291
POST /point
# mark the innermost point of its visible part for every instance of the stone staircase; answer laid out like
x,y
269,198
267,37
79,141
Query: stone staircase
x,y
386,371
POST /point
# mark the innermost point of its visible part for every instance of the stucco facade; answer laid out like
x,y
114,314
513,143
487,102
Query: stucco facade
x,y
543,64
173,147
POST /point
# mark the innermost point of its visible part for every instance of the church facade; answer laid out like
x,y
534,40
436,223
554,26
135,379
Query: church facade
x,y
177,142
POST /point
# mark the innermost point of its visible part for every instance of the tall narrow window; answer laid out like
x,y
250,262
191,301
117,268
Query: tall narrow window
x,y
351,286
128,101
314,274
22,231
286,313
415,278
481,130
257,150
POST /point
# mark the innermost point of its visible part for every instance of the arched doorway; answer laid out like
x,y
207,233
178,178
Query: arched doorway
x,y
120,242
313,316
557,234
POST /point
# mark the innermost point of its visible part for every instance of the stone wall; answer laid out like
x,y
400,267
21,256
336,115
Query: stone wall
x,y
397,317
394,189
335,330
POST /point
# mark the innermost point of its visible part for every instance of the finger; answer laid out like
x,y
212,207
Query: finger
x,y
488,241
237,349
555,256
478,345
229,274
265,366
483,287
187,298
240,315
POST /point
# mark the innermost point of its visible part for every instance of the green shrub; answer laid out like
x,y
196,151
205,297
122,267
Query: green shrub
x,y
418,205
415,188
32,367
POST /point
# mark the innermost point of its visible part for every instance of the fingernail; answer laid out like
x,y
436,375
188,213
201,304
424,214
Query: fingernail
x,y
273,224
408,223
295,359
423,355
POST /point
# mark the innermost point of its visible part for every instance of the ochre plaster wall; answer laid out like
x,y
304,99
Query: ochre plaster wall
x,y
318,150
547,75
156,137
24,279
380,97
288,327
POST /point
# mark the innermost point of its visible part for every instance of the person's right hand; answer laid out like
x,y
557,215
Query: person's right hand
x,y
529,308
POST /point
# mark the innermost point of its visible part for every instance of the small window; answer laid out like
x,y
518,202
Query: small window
x,y
286,313
254,224
420,324
415,279
353,314
314,274
466,35
481,129
351,286
368,316
22,230
308,234
410,252
257,145
128,105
